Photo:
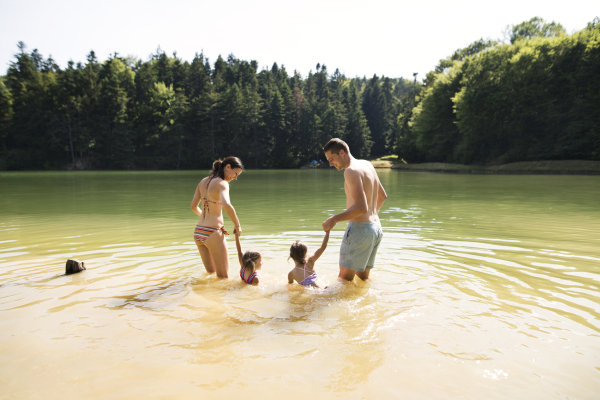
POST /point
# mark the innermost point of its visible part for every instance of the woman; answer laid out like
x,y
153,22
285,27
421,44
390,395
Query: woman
x,y
213,193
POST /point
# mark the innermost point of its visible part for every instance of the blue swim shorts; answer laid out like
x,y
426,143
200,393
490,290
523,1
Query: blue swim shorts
x,y
359,246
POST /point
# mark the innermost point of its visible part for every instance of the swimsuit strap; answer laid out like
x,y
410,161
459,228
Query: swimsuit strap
x,y
250,278
303,269
206,207
207,200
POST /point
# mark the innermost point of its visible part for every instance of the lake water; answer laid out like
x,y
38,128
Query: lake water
x,y
484,287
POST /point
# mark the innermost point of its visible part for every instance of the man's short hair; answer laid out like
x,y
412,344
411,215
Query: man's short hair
x,y
335,145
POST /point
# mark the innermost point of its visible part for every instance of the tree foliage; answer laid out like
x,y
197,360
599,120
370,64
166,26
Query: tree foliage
x,y
535,99
166,113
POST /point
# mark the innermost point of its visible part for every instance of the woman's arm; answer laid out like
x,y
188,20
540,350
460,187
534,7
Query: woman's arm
x,y
226,203
196,201
238,245
321,249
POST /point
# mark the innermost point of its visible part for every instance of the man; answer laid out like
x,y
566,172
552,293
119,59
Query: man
x,y
364,198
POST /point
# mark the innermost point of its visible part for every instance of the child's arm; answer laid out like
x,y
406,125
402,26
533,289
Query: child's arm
x,y
239,246
320,250
290,278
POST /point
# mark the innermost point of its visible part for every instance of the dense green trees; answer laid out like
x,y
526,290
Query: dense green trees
x,y
535,27
166,113
535,98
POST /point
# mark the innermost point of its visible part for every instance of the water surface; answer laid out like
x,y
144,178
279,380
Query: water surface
x,y
484,287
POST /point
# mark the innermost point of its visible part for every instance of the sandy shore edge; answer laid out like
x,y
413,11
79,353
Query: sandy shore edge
x,y
551,167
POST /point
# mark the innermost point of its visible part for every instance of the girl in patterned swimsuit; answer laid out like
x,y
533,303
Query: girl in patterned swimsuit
x,y
250,261
304,270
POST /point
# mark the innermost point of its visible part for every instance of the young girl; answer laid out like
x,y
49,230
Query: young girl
x,y
250,261
304,271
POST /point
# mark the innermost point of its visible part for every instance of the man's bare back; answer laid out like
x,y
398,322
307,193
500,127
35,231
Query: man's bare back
x,y
370,183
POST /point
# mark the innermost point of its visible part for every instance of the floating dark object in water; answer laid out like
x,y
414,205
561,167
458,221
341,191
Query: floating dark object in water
x,y
74,266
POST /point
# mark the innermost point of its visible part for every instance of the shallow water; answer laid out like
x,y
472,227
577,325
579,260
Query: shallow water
x,y
484,287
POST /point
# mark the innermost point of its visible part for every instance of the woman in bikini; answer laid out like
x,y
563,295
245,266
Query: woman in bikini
x,y
213,193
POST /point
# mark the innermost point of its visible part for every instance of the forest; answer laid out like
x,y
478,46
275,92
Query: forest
x,y
533,96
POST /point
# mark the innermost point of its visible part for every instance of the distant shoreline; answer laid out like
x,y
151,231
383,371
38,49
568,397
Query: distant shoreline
x,y
551,167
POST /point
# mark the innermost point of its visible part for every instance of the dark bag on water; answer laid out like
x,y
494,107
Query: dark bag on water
x,y
74,266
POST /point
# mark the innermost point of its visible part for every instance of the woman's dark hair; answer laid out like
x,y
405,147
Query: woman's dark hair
x,y
249,259
218,168
298,252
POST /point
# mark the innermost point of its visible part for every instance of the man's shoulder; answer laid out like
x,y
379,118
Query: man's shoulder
x,y
360,166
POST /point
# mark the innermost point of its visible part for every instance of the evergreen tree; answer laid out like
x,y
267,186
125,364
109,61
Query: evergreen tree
x,y
114,144
358,135
376,111
6,114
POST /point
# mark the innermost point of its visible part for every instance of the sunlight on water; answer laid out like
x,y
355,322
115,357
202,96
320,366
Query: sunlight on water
x,y
484,287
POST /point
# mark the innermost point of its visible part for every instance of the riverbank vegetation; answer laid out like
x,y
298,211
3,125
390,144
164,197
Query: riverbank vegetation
x,y
535,97
549,167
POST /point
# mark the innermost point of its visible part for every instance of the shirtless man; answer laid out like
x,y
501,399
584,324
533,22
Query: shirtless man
x,y
364,198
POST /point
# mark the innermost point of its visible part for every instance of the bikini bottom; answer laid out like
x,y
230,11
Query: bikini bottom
x,y
201,232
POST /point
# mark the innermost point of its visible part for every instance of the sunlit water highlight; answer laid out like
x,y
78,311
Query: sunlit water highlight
x,y
484,287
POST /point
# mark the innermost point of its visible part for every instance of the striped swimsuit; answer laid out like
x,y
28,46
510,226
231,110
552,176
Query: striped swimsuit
x,y
250,278
202,232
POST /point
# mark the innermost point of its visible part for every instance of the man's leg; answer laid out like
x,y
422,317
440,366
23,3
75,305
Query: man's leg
x,y
347,273
363,275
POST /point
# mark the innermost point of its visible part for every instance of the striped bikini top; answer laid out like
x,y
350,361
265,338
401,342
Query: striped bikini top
x,y
250,278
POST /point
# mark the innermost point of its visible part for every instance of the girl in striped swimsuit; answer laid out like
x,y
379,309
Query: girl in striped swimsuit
x,y
250,261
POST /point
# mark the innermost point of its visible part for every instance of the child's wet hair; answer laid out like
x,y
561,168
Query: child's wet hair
x,y
298,252
250,259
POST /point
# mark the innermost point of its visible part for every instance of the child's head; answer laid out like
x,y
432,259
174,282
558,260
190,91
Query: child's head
x,y
252,260
298,252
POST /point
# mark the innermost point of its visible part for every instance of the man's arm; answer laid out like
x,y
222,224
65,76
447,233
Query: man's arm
x,y
381,196
356,192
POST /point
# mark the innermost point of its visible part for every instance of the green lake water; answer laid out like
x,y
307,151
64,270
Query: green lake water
x,y
485,286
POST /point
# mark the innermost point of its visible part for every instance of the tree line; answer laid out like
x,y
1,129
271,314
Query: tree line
x,y
535,97
166,113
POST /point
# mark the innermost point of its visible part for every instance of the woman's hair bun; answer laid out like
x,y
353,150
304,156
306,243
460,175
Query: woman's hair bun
x,y
219,166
